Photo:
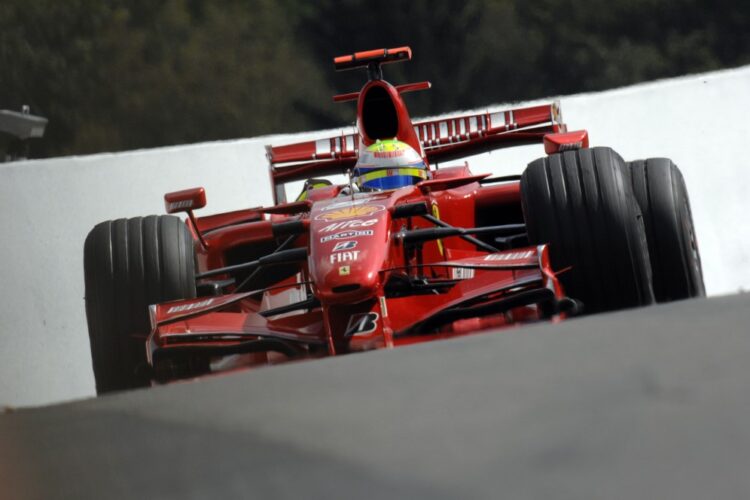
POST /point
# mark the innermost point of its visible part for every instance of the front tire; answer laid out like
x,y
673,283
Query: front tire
x,y
580,203
128,265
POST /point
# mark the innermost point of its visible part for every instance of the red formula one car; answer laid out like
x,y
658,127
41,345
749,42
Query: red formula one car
x,y
402,252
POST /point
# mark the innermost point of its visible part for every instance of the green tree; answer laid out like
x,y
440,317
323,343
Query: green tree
x,y
129,74
126,74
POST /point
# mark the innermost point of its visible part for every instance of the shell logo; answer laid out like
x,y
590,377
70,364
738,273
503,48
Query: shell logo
x,y
350,212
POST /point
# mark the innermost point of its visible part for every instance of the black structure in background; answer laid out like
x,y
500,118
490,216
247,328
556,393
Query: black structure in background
x,y
16,130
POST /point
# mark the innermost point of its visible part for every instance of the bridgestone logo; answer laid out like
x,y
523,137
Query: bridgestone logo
x,y
190,307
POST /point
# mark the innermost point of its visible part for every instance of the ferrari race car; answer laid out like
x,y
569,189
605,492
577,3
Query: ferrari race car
x,y
400,252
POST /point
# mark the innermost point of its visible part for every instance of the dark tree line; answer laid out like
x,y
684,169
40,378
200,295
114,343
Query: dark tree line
x,y
128,74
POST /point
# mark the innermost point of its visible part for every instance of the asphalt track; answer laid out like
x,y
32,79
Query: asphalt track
x,y
653,403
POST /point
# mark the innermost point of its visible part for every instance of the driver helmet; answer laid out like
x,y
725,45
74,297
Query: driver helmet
x,y
388,164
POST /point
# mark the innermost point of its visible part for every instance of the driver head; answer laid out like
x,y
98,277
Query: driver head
x,y
388,164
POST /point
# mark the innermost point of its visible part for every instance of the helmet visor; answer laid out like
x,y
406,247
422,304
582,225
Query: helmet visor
x,y
388,178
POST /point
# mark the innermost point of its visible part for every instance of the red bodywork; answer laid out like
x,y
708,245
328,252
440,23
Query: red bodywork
x,y
337,272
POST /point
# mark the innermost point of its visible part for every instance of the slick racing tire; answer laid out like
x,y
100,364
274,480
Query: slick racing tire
x,y
582,205
128,265
660,189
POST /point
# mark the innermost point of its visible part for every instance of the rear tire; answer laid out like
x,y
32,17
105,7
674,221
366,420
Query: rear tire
x,y
580,203
128,265
661,193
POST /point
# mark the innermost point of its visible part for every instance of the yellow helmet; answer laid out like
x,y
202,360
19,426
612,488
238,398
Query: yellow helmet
x,y
389,164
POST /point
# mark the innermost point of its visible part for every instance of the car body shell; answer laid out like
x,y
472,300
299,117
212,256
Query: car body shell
x,y
339,271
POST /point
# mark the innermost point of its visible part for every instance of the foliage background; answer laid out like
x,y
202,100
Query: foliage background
x,y
126,74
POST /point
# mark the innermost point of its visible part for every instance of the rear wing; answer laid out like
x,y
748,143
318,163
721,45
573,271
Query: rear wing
x,y
369,57
448,139
443,139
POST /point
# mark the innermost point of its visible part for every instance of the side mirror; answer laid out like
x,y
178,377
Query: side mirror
x,y
566,141
185,200
188,200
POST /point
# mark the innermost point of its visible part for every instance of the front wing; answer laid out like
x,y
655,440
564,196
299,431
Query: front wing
x,y
487,291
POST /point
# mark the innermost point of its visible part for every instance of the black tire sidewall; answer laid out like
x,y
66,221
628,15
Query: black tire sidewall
x,y
675,259
130,264
581,204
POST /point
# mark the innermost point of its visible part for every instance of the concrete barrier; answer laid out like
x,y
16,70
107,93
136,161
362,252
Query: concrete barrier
x,y
48,207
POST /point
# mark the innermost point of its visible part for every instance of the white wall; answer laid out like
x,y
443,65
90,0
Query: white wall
x,y
48,207
702,122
